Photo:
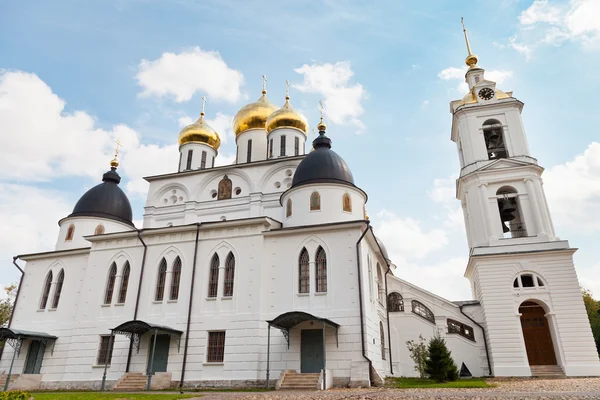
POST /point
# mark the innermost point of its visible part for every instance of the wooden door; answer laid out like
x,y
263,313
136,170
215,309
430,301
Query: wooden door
x,y
161,355
311,351
536,332
35,356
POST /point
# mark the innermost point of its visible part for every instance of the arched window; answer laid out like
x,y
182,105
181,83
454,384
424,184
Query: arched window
x,y
224,191
510,213
99,230
58,289
370,265
110,284
315,201
346,202
380,288
175,279
303,272
528,280
422,311
494,139
288,208
124,283
395,302
321,272
160,281
46,291
70,233
461,329
382,339
229,275
213,279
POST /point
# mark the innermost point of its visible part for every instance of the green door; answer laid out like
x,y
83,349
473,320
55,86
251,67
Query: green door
x,y
35,356
311,351
161,356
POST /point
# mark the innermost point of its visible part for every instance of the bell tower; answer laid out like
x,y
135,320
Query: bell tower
x,y
520,271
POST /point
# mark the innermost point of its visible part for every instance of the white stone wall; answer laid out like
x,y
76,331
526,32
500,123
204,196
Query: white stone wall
x,y
290,142
259,145
196,162
85,226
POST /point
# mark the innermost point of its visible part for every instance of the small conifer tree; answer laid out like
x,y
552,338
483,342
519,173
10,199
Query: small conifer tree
x,y
439,365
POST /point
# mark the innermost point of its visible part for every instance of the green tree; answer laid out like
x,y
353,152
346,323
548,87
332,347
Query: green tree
x,y
440,366
592,307
418,353
6,304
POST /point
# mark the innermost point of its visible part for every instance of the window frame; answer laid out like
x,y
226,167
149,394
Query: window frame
x,y
213,276
215,347
70,233
203,160
125,273
315,205
429,315
321,270
460,328
105,350
382,339
397,304
229,278
99,230
347,203
188,161
288,208
110,284
271,148
46,290
175,280
58,289
296,146
303,272
161,281
282,145
249,151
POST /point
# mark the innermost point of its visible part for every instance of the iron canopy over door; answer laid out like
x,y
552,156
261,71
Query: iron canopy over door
x,y
35,356
536,332
311,351
160,358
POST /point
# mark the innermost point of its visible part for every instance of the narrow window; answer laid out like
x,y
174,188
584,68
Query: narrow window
x,y
494,139
315,201
370,277
160,281
124,283
70,233
422,311
110,284
270,148
282,149
346,203
321,273
189,159
224,191
510,213
99,230
58,289
105,350
46,292
216,347
296,146
213,280
175,279
395,302
203,160
382,339
461,329
249,151
180,157
380,288
303,273
229,275
288,208
213,162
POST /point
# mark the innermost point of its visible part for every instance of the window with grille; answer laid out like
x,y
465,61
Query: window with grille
x,y
58,289
296,146
282,149
203,160
270,148
315,201
70,233
249,151
175,279
382,339
189,159
422,311
461,329
213,279
288,208
216,347
321,273
395,302
229,275
110,284
124,283
303,272
105,350
160,281
46,292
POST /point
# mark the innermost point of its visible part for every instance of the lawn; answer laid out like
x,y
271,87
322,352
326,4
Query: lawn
x,y
410,383
108,396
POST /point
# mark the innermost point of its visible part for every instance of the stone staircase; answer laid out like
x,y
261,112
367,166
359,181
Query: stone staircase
x,y
3,377
547,371
131,381
295,381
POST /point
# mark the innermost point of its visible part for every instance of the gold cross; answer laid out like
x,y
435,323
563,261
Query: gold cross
x,y
321,108
203,103
117,148
264,83
287,89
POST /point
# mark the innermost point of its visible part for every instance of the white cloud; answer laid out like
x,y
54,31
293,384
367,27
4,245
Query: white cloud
x,y
540,11
454,73
342,100
444,192
184,74
185,121
224,159
147,160
521,48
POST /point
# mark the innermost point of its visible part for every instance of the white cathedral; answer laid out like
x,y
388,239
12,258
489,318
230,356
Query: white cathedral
x,y
267,271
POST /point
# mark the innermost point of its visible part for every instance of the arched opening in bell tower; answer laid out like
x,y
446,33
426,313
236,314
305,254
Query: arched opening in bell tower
x,y
510,213
493,135
536,334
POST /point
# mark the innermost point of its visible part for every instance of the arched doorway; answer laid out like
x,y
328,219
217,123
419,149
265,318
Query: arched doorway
x,y
536,332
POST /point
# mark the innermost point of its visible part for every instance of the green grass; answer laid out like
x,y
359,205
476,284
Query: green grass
x,y
410,383
108,396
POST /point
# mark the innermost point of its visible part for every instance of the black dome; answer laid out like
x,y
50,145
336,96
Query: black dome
x,y
322,165
105,200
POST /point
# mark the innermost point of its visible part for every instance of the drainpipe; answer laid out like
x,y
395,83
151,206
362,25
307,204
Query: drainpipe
x,y
360,299
12,313
485,344
189,318
137,300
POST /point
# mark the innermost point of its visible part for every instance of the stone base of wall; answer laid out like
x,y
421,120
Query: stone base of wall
x,y
27,382
77,385
224,384
341,382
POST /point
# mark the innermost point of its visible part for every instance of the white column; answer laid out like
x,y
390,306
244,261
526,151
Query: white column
x,y
535,207
485,211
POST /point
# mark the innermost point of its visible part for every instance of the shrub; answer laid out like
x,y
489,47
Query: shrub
x,y
439,365
15,395
418,353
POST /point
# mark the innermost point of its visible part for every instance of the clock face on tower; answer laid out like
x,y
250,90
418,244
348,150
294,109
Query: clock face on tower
x,y
486,93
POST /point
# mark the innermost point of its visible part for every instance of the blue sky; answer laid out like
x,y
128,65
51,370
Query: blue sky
x,y
73,78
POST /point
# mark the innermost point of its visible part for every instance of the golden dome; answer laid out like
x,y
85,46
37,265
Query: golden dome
x,y
287,117
321,126
253,115
200,132
470,98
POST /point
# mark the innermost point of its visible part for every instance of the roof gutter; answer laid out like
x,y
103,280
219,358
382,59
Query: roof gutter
x,y
137,300
360,300
189,318
12,313
485,344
